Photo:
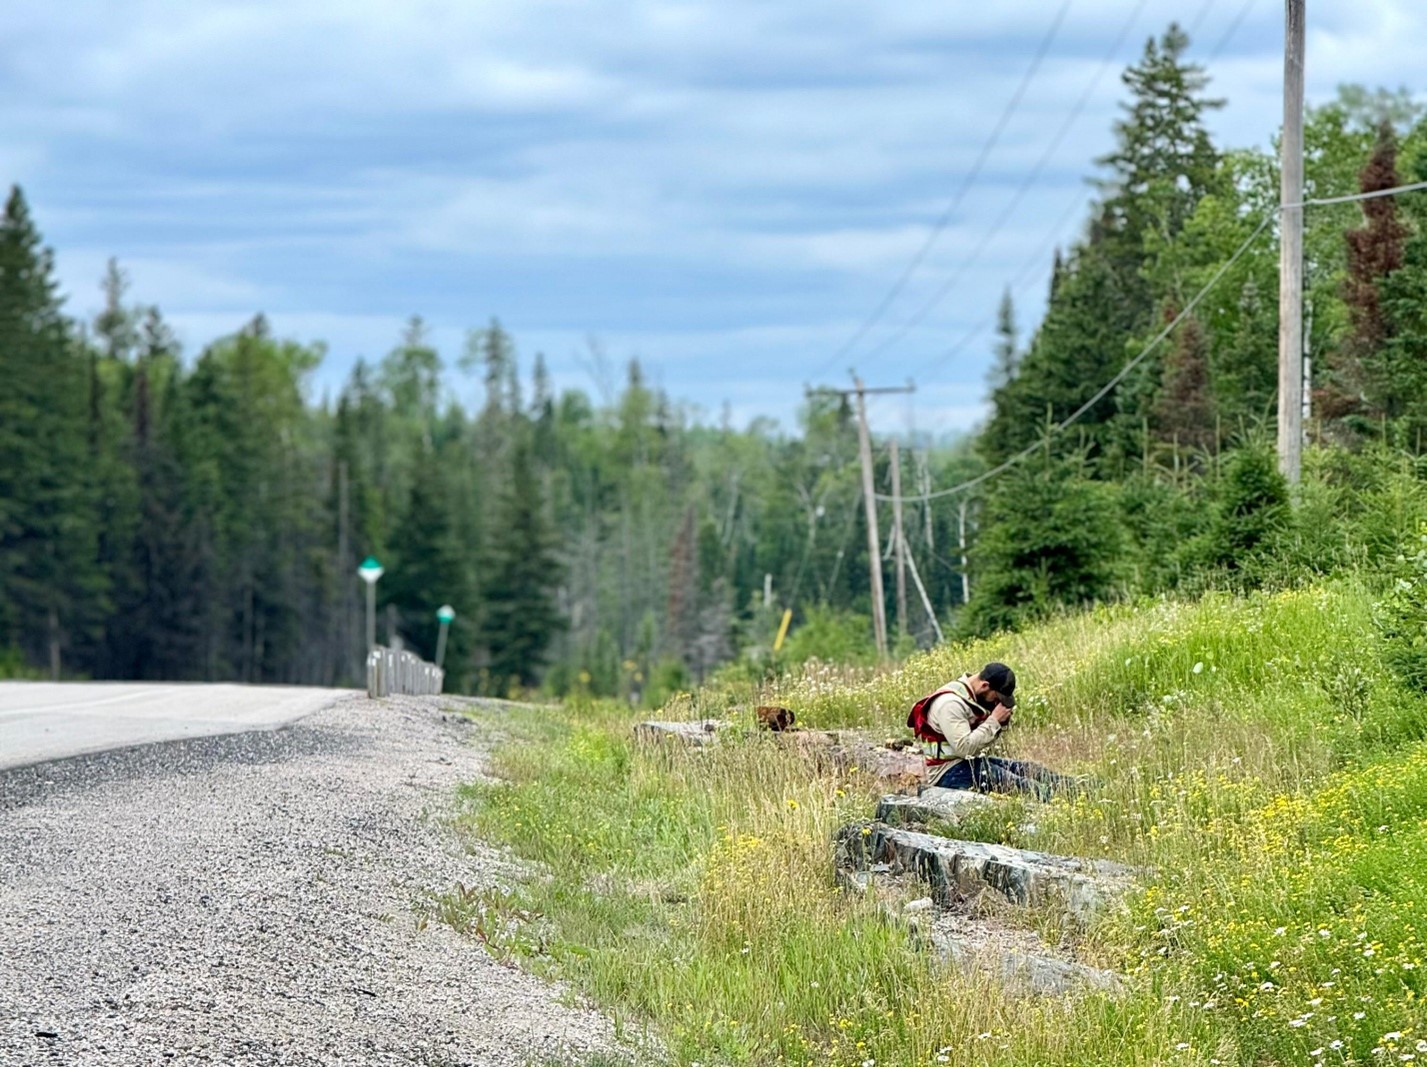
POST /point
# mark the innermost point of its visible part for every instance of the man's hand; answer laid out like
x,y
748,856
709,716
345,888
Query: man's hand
x,y
1001,714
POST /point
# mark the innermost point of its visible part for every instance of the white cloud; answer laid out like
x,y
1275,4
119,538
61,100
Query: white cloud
x,y
695,178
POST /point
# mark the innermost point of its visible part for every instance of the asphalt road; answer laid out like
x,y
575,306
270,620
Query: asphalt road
x,y
267,899
42,721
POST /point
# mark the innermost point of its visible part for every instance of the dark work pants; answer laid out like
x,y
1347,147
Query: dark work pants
x,y
993,774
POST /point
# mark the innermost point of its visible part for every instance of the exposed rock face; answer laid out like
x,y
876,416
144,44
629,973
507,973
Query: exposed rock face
x,y
875,857
959,869
845,750
700,732
1029,972
897,767
839,751
946,805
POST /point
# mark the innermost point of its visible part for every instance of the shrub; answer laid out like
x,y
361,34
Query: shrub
x,y
1401,616
1051,538
831,635
1253,508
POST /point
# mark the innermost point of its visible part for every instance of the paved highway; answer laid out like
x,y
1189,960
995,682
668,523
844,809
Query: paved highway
x,y
258,898
52,720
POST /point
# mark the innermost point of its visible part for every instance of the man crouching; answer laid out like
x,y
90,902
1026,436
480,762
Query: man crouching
x,y
960,721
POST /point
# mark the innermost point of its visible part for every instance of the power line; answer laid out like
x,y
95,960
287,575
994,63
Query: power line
x,y
946,216
1198,297
1109,386
1328,201
1023,277
1030,271
1204,10
1026,182
1238,21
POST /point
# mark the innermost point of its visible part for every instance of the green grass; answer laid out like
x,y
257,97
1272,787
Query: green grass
x,y
1256,758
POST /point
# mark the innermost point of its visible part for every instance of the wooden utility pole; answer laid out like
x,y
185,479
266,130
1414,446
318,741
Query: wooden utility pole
x,y
965,562
874,547
922,591
924,482
1290,270
898,540
869,499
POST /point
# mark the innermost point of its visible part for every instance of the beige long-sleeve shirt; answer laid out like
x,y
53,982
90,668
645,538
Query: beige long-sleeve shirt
x,y
953,715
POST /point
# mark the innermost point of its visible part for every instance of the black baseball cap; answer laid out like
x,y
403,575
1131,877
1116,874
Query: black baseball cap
x,y
1002,679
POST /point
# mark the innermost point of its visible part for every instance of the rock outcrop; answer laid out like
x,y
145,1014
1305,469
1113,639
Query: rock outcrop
x,y
941,805
1029,972
699,732
956,870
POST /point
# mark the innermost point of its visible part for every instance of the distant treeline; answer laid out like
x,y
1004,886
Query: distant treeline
x,y
202,518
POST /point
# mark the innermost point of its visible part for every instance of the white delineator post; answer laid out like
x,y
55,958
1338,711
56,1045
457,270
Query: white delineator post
x,y
444,614
369,571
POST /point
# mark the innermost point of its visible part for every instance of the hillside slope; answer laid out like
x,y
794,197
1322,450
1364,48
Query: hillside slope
x,y
1259,762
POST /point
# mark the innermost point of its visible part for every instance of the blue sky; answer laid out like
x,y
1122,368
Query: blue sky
x,y
725,190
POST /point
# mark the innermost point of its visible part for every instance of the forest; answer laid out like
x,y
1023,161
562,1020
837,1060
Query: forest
x,y
172,515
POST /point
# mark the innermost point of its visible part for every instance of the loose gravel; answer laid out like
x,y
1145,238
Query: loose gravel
x,y
253,900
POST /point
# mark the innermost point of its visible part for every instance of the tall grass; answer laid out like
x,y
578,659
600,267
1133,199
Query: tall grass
x,y
1257,762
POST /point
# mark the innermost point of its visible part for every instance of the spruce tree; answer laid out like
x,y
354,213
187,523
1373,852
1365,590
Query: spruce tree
x,y
51,589
113,462
1006,351
1361,370
1252,508
524,572
1080,345
1184,411
1163,162
166,618
429,566
1163,165
1052,539
1402,360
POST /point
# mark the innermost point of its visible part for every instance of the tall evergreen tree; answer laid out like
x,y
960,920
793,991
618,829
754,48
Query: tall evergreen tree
x,y
1163,165
431,566
51,588
1163,162
1401,363
1006,352
114,465
165,618
1184,412
1361,371
520,589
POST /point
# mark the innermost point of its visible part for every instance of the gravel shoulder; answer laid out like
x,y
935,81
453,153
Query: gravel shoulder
x,y
251,899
